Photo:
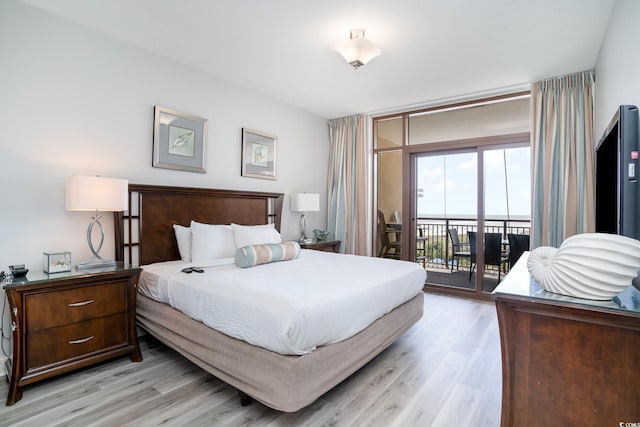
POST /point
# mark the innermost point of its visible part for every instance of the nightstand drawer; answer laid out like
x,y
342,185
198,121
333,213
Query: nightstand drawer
x,y
48,346
50,309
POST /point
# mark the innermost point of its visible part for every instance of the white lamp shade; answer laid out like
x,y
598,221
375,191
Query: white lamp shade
x,y
358,51
96,193
305,202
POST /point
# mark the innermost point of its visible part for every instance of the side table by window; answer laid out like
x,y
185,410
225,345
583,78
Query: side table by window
x,y
331,246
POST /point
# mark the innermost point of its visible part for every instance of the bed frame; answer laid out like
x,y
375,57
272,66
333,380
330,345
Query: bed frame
x,y
144,234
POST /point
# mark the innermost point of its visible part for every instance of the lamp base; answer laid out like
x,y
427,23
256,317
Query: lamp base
x,y
304,240
95,263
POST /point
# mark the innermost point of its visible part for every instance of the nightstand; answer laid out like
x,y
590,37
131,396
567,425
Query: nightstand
x,y
66,321
332,246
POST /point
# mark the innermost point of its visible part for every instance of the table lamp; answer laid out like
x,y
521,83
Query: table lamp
x,y
303,203
96,193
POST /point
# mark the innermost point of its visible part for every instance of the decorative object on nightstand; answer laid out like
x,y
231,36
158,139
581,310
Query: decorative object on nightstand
x,y
320,235
595,266
69,321
56,262
96,193
303,203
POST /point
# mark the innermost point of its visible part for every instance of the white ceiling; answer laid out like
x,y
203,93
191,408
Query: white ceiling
x,y
431,49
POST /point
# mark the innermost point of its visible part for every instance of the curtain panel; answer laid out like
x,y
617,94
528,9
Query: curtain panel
x,y
346,183
562,158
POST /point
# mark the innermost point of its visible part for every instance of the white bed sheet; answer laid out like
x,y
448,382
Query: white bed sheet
x,y
288,307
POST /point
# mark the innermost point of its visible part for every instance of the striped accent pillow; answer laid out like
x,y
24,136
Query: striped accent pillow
x,y
252,255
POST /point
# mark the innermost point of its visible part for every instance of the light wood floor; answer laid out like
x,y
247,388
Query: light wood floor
x,y
445,371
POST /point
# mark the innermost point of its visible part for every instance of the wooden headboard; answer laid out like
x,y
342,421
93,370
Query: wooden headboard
x,y
144,234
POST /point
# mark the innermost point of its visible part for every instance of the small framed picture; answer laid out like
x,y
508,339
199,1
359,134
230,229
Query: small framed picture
x,y
179,140
258,154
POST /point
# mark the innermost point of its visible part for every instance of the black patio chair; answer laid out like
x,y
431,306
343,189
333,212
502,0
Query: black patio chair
x,y
492,250
459,250
518,243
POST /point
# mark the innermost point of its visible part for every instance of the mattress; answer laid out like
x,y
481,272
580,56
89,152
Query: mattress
x,y
288,307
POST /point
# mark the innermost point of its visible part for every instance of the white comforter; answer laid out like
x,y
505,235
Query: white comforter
x,y
289,307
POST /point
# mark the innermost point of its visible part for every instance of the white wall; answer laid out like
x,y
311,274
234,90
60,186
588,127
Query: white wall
x,y
73,101
618,65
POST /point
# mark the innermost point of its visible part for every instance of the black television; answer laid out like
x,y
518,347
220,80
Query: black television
x,y
617,198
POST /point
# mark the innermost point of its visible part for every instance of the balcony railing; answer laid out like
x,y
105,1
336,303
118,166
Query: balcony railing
x,y
437,252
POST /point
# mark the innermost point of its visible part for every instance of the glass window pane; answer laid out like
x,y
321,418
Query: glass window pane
x,y
519,182
389,182
389,168
507,182
499,118
431,186
389,133
495,196
447,203
506,205
448,184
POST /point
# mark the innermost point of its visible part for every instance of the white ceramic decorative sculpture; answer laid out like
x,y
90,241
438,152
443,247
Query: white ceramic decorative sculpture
x,y
595,266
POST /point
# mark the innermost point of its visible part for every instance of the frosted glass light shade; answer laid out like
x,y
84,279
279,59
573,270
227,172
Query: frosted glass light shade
x,y
358,50
96,193
305,202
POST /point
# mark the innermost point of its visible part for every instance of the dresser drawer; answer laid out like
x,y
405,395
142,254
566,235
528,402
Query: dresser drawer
x,y
56,308
48,346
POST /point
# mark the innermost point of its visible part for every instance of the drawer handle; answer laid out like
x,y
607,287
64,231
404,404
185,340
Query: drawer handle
x,y
80,304
81,340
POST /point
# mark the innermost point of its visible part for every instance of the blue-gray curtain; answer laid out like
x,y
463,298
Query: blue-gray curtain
x,y
562,158
346,183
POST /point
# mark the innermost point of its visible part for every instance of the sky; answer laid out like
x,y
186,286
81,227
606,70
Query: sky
x,y
448,184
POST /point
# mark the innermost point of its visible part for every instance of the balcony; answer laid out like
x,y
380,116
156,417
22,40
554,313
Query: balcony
x,y
436,256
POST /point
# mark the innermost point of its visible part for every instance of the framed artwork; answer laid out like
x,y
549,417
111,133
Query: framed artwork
x,y
179,140
258,154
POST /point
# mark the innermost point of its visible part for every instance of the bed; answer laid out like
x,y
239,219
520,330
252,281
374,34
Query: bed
x,y
286,382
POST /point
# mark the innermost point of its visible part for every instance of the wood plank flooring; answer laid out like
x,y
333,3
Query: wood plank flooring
x,y
445,371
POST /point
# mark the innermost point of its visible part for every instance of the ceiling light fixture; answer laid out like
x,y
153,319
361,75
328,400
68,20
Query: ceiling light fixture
x,y
358,50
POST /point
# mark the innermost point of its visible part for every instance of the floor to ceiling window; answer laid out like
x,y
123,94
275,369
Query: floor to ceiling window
x,y
389,186
450,175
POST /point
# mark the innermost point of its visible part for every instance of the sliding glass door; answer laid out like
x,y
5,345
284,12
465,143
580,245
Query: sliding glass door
x,y
446,204
467,204
507,209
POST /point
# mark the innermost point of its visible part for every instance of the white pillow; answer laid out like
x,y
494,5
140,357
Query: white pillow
x,y
183,238
246,235
210,242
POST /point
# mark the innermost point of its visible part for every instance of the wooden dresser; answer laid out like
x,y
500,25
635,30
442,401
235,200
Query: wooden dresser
x,y
66,321
567,361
